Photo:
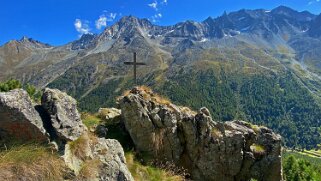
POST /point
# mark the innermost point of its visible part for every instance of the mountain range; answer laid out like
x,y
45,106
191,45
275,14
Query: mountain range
x,y
257,65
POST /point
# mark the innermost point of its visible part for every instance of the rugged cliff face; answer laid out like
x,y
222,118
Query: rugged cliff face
x,y
210,150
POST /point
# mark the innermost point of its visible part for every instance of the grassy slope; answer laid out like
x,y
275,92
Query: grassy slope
x,y
30,162
149,173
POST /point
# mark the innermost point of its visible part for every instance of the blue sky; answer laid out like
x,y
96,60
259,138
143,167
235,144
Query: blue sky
x,y
60,21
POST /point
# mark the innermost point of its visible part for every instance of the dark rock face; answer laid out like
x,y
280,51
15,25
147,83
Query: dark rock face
x,y
85,42
19,119
315,30
101,131
209,150
64,116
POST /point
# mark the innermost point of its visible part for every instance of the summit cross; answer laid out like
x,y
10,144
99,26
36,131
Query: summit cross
x,y
135,64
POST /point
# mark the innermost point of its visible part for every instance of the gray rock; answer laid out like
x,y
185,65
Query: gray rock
x,y
153,128
19,119
209,150
111,154
104,156
111,115
64,116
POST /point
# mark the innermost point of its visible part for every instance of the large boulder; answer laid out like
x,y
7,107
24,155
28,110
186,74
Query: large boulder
x,y
65,120
19,119
209,150
97,159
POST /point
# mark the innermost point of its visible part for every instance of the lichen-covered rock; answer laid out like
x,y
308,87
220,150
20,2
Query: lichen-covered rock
x,y
19,119
209,150
65,120
111,115
104,157
111,155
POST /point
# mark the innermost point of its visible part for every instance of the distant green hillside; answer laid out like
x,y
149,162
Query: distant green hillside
x,y
266,87
274,100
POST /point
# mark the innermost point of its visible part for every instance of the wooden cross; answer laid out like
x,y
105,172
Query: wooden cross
x,y
135,63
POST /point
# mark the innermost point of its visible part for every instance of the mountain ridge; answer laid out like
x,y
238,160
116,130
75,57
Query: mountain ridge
x,y
277,10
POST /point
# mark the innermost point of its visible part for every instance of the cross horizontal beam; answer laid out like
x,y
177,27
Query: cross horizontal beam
x,y
134,63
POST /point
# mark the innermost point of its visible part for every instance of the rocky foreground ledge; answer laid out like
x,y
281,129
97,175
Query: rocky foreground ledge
x,y
209,150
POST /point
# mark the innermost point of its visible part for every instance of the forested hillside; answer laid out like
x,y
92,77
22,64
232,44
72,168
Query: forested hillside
x,y
278,102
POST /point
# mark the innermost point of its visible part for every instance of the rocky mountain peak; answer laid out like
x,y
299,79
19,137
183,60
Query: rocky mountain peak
x,y
25,39
209,20
128,19
86,41
127,26
29,42
283,10
133,21
293,14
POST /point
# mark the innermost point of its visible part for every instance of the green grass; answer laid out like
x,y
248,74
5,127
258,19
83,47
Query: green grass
x,y
258,149
149,173
89,170
30,162
77,146
313,153
90,120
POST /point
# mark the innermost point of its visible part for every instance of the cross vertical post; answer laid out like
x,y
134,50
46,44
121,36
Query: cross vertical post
x,y
135,68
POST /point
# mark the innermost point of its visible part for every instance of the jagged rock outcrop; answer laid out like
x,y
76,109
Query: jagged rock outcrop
x,y
65,121
57,118
105,157
209,150
19,119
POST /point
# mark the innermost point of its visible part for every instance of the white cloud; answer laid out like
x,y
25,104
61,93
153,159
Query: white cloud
x,y
313,1
156,17
82,26
112,16
154,5
104,18
158,5
101,22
